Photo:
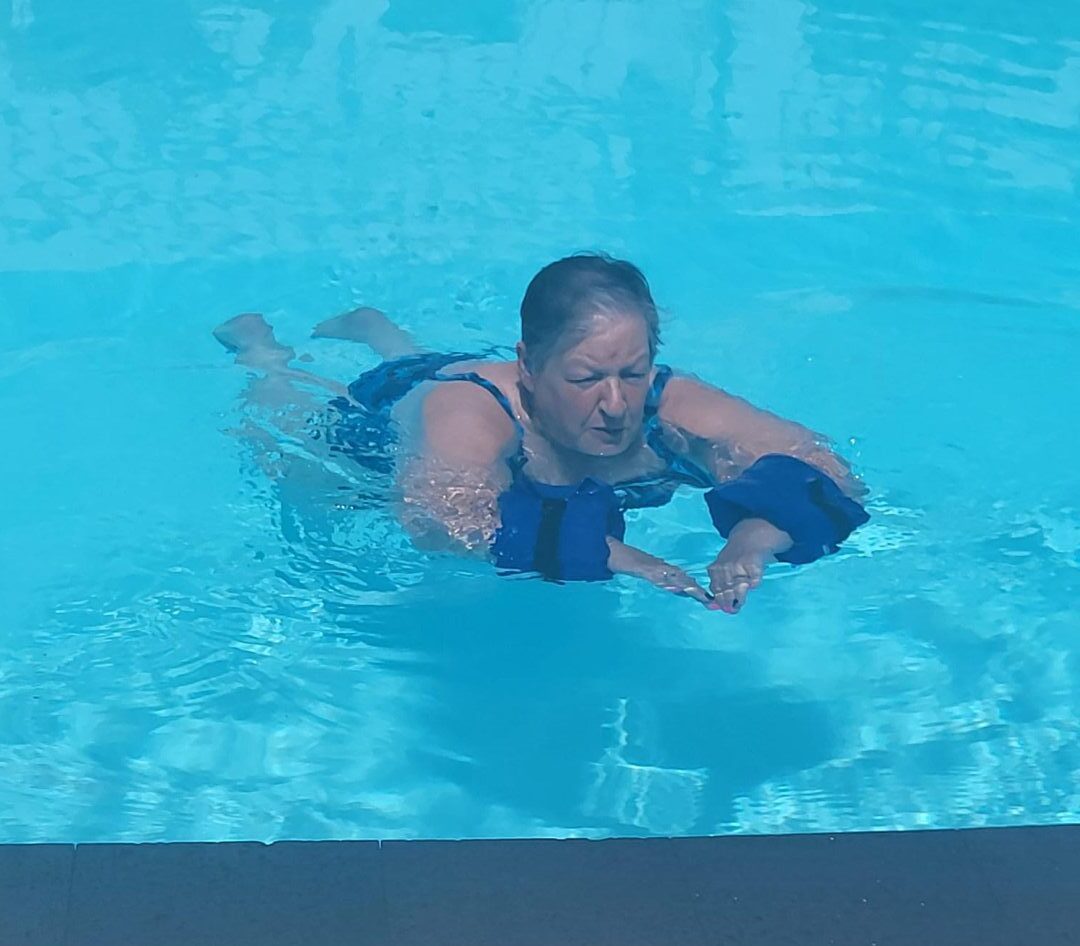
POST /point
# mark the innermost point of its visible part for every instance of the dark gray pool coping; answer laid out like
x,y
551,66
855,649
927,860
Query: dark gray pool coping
x,y
1015,886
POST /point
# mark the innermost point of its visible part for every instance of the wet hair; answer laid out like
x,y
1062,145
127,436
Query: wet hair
x,y
565,293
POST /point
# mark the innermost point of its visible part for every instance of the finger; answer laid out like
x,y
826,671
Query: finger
x,y
733,598
672,579
739,593
736,575
686,586
720,580
699,594
726,600
680,583
726,579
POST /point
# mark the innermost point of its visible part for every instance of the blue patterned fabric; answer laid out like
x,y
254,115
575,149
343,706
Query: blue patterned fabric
x,y
360,425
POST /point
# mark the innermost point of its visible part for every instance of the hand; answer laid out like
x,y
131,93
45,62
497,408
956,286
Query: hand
x,y
624,559
751,547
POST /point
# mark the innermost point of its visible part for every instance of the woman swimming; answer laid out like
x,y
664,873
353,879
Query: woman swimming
x,y
533,462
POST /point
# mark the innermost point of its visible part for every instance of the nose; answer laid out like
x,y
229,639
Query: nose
x,y
613,399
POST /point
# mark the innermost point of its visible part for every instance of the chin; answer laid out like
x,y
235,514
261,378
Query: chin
x,y
606,448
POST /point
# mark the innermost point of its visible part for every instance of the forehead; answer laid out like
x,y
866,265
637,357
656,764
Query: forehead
x,y
605,339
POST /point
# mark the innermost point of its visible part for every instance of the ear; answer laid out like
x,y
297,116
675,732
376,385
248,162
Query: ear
x,y
524,374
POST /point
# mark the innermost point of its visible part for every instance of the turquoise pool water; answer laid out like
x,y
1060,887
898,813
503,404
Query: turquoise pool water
x,y
861,215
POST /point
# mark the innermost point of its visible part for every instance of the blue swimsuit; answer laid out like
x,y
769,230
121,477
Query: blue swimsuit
x,y
561,531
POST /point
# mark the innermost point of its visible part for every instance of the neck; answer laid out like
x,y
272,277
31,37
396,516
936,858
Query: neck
x,y
578,465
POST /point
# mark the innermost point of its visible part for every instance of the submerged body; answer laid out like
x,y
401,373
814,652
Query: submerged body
x,y
534,461
559,529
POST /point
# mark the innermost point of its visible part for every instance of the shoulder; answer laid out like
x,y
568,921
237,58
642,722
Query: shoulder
x,y
682,387
707,411
452,400
463,421
688,401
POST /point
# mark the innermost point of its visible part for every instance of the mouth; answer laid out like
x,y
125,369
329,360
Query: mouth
x,y
613,432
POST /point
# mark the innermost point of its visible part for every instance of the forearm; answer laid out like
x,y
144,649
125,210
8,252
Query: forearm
x,y
624,559
752,545
727,435
430,534
448,510
762,535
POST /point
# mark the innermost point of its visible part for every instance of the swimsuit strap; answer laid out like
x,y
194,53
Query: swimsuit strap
x,y
518,459
686,470
656,393
492,388
682,468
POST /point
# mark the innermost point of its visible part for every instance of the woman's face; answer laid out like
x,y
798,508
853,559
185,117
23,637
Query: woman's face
x,y
589,395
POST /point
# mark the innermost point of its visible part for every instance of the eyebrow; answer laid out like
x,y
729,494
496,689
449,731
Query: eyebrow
x,y
590,366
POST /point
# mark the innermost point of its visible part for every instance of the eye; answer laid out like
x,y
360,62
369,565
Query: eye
x,y
582,380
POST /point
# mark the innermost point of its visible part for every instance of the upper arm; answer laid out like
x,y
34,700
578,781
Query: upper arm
x,y
454,468
709,413
462,425
727,430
